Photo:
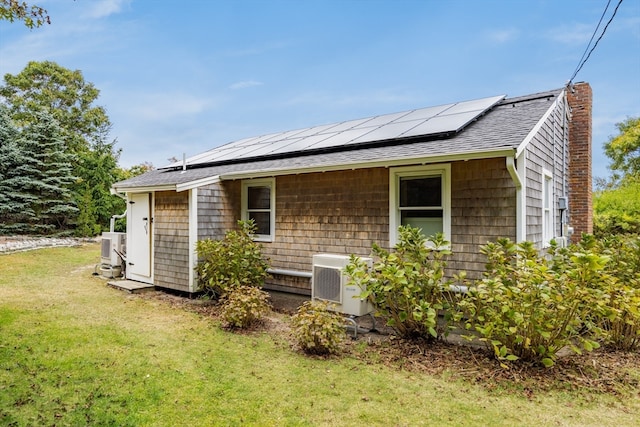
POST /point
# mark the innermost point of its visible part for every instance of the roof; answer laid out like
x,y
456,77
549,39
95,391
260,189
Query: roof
x,y
495,132
438,121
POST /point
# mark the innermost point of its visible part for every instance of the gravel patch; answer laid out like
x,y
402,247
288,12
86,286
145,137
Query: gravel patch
x,y
10,244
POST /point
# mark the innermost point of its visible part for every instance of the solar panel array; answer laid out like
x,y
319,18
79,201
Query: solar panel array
x,y
415,123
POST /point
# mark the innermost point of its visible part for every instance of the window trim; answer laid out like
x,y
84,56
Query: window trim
x,y
395,174
265,182
548,212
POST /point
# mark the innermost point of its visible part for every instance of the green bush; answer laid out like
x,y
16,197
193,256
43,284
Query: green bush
x,y
316,329
617,210
530,306
407,286
621,322
244,306
232,262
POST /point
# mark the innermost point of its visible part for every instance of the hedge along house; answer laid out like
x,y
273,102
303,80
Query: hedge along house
x,y
475,170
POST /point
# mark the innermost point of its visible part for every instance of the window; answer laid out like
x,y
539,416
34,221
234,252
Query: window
x,y
258,203
547,208
420,197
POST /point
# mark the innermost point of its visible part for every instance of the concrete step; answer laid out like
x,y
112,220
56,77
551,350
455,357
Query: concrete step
x,y
130,286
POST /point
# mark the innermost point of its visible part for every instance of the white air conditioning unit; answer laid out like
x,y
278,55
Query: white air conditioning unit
x,y
112,242
329,283
562,241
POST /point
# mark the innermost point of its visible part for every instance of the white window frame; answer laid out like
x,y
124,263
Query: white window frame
x,y
395,174
265,182
548,211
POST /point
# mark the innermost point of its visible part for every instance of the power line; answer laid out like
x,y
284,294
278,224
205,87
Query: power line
x,y
584,59
586,49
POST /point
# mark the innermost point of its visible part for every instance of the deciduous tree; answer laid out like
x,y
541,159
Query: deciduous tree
x,y
624,149
64,93
32,16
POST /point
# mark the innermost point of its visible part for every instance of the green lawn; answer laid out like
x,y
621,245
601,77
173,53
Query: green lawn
x,y
75,352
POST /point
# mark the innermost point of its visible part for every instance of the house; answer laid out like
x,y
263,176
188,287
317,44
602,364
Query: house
x,y
476,170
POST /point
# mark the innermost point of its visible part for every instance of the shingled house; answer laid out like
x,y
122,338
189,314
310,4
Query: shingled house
x,y
475,170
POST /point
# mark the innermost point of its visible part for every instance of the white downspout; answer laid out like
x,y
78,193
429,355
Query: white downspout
x,y
520,198
193,238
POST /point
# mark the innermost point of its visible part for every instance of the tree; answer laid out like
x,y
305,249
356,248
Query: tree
x,y
14,200
36,177
48,88
33,16
616,205
98,170
64,94
51,175
624,149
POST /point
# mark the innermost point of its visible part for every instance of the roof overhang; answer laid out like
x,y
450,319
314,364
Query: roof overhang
x,y
184,186
502,152
534,131
262,173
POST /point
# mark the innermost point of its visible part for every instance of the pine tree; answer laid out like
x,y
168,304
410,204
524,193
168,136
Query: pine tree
x,y
48,175
15,202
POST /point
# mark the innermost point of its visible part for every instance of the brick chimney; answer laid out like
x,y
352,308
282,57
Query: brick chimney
x,y
580,100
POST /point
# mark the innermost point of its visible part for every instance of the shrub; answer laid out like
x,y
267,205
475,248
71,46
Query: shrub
x,y
621,322
407,286
244,306
232,262
529,306
617,210
316,329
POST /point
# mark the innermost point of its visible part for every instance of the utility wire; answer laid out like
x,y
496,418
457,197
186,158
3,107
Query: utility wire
x,y
586,49
584,59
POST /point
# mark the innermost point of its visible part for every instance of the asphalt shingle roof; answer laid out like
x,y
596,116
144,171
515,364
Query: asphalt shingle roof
x,y
503,127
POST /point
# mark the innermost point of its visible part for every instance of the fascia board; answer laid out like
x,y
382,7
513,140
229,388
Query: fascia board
x,y
502,152
536,128
197,183
144,189
169,187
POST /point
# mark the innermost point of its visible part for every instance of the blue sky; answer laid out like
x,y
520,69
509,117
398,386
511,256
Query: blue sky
x,y
186,76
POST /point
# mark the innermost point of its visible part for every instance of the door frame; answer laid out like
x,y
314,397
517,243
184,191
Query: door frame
x,y
133,276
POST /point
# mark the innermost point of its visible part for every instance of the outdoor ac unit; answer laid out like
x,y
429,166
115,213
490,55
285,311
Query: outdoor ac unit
x,y
329,283
562,242
112,242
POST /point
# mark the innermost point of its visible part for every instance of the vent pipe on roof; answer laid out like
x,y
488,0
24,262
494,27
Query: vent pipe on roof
x,y
184,162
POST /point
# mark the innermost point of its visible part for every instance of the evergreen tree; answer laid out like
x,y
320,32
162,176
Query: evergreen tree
x,y
14,200
47,175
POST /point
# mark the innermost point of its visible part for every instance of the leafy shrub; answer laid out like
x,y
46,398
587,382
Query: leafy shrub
x,y
529,306
244,306
232,262
407,286
621,321
617,210
316,329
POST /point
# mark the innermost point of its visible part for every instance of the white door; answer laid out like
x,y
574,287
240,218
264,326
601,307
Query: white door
x,y
139,226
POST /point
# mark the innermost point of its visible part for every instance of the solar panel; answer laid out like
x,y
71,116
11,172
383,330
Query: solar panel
x,y
436,120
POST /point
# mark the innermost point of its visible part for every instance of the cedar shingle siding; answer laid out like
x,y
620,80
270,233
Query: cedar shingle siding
x,y
483,199
171,240
547,151
345,212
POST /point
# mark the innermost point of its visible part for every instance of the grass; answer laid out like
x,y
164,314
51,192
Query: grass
x,y
75,352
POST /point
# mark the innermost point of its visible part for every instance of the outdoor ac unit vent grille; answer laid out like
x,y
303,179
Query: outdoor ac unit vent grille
x,y
105,251
112,243
328,283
